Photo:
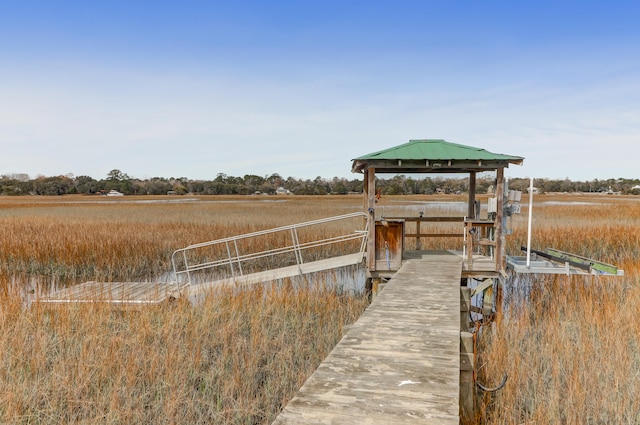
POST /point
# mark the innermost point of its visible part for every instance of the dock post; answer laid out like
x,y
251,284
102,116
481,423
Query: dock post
x,y
466,378
465,307
372,286
466,358
368,288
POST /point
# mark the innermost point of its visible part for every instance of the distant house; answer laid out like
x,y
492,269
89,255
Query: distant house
x,y
114,192
282,191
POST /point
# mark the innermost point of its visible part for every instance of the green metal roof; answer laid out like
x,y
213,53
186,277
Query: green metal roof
x,y
433,155
437,149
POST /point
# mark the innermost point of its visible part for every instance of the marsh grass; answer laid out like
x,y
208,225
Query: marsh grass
x,y
84,238
570,347
236,358
570,344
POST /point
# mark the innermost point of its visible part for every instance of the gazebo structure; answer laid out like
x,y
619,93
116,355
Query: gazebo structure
x,y
386,239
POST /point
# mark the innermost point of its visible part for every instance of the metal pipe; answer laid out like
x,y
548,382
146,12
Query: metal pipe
x,y
464,239
529,222
186,268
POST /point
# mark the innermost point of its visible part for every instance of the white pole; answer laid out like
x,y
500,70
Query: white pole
x,y
529,224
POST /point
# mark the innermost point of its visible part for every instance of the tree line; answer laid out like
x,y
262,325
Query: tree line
x,y
222,184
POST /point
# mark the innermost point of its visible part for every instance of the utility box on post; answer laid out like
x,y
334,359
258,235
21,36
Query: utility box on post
x,y
389,244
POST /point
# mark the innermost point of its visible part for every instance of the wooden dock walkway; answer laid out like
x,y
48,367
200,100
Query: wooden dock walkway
x,y
400,362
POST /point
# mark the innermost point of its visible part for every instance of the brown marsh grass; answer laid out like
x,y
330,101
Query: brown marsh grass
x,y
570,350
234,358
95,238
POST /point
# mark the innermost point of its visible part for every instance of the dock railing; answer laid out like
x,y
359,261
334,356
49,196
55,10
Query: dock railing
x,y
475,234
285,246
418,230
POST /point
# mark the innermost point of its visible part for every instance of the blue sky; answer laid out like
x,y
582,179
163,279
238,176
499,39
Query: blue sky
x,y
299,88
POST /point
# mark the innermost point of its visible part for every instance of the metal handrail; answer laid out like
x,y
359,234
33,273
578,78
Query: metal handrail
x,y
234,259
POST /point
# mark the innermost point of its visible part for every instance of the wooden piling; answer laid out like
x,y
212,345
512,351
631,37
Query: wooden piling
x,y
465,308
466,378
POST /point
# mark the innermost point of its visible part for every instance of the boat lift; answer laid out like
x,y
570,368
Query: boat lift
x,y
554,261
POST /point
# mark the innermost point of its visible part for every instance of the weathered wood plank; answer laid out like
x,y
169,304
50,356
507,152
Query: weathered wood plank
x,y
155,292
121,293
281,273
400,362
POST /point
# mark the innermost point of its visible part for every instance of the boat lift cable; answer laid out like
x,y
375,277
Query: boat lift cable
x,y
493,390
478,325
